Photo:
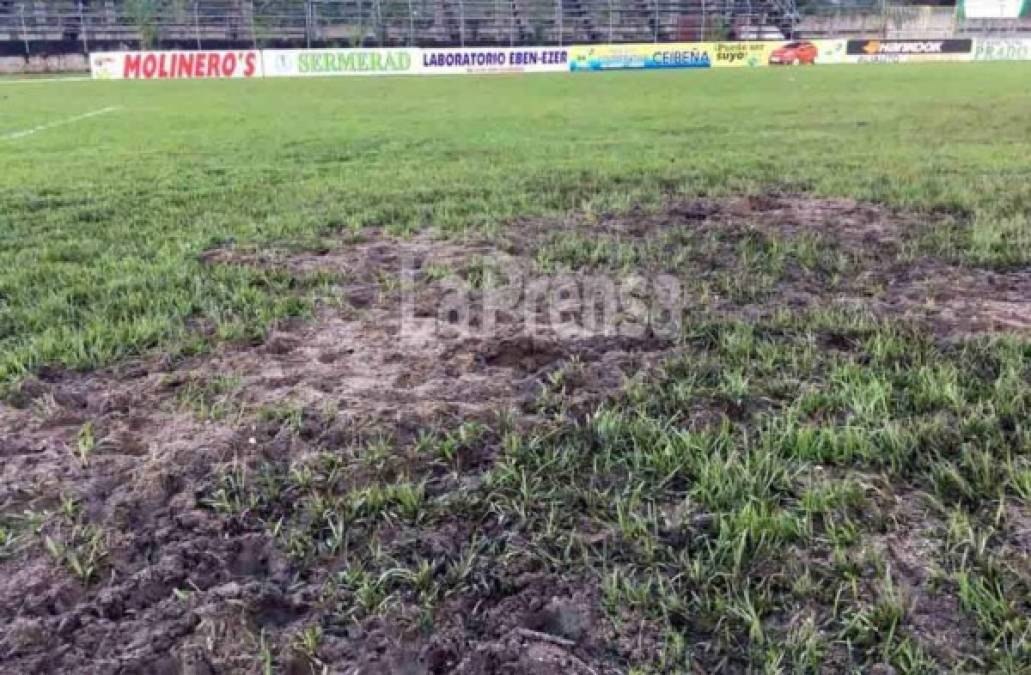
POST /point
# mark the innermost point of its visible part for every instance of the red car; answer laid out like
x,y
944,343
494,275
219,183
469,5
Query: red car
x,y
795,53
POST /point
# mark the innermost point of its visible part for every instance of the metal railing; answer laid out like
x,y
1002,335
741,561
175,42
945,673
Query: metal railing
x,y
220,23
33,26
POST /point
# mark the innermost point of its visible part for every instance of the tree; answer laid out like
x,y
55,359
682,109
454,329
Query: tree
x,y
144,14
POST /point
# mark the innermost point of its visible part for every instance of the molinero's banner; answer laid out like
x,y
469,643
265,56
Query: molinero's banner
x,y
494,60
901,51
175,65
315,62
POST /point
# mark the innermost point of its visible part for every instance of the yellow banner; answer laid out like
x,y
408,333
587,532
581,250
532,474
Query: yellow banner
x,y
705,54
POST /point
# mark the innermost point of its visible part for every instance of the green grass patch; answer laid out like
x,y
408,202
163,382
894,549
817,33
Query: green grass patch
x,y
102,221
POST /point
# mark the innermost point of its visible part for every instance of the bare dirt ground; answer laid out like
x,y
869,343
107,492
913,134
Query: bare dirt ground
x,y
123,567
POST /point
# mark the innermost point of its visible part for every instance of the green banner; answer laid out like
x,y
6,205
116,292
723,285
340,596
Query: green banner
x,y
993,9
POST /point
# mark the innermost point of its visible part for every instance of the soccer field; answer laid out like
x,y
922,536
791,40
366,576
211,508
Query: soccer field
x,y
220,449
114,209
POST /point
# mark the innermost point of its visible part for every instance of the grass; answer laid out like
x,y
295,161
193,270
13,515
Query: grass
x,y
770,539
102,221
817,490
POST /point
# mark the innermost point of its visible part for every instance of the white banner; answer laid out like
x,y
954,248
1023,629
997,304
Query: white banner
x,y
993,9
464,61
189,65
493,60
321,62
1002,49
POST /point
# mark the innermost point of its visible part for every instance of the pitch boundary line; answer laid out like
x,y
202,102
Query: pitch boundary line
x,y
59,123
43,80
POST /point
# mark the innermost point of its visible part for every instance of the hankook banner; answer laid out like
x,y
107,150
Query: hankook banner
x,y
899,51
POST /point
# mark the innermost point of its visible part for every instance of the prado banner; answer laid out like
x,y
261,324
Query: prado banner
x,y
1002,49
493,60
316,62
175,65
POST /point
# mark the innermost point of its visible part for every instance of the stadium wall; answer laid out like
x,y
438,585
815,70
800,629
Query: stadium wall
x,y
248,64
44,63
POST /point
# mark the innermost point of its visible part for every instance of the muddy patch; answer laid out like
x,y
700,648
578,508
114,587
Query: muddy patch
x,y
911,552
403,340
118,558
958,301
751,257
543,625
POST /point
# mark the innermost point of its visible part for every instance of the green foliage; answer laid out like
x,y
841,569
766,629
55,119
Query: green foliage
x,y
145,13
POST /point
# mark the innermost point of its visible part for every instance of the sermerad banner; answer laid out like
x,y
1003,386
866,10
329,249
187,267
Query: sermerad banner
x,y
494,60
322,62
178,65
904,51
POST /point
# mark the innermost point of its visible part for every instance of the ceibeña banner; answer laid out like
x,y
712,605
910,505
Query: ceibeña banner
x,y
494,60
316,62
639,56
175,65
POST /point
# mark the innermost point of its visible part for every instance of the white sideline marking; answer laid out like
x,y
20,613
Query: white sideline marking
x,y
38,80
60,123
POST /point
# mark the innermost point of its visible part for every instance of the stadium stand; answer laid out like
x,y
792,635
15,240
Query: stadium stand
x,y
38,26
55,27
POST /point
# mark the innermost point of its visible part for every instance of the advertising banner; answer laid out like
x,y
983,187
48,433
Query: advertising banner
x,y
787,53
1002,49
993,9
322,62
904,51
175,65
706,54
742,54
467,61
635,56
493,60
